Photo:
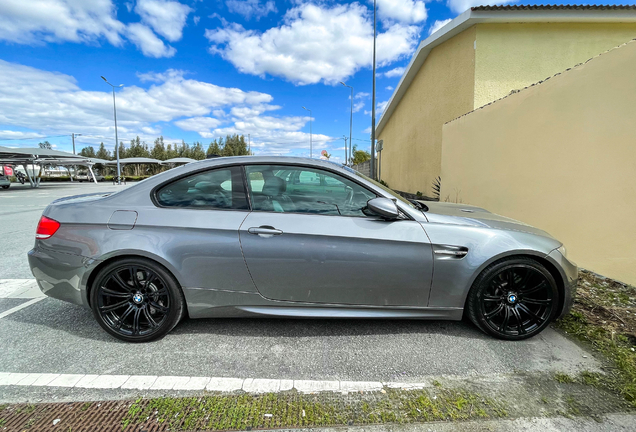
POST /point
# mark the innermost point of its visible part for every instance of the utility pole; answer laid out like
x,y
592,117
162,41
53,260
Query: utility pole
x,y
373,101
73,135
249,144
311,146
346,162
116,138
350,119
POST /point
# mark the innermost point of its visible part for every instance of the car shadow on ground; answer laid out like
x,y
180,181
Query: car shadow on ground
x,y
79,322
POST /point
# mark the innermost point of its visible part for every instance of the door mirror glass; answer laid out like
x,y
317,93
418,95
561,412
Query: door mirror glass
x,y
384,208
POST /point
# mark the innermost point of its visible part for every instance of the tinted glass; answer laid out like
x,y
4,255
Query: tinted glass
x,y
220,188
289,189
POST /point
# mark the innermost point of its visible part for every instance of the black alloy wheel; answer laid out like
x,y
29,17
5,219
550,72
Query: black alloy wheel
x,y
513,299
136,300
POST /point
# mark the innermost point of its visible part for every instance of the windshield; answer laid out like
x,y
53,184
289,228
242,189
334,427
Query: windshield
x,y
384,188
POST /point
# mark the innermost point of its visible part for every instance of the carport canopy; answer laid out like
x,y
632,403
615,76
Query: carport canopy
x,y
137,160
179,160
41,156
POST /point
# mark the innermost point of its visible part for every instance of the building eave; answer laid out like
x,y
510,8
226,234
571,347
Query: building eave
x,y
478,15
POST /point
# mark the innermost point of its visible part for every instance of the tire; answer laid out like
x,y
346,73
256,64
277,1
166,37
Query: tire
x,y
513,299
5,186
136,309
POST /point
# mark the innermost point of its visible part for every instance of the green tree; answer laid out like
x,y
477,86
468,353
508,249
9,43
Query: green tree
x,y
227,149
197,152
88,151
46,145
102,153
171,152
359,156
159,150
214,149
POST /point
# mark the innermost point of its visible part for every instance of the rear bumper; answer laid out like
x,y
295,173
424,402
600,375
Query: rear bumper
x,y
570,274
60,275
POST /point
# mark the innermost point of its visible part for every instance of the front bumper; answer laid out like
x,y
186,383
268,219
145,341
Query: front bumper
x,y
570,274
60,275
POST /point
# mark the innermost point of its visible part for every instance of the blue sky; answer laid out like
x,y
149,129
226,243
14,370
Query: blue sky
x,y
196,70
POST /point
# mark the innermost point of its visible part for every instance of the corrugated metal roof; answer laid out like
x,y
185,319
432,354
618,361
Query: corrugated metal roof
x,y
552,7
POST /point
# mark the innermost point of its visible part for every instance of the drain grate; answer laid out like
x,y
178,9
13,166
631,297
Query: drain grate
x,y
75,416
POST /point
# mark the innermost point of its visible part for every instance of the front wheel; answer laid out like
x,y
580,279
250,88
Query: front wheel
x,y
136,300
5,186
513,299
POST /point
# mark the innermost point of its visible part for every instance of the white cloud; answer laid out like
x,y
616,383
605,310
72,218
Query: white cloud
x,y
9,134
196,20
148,42
166,18
438,25
380,107
362,95
389,88
358,106
315,43
50,103
54,21
396,72
251,8
459,6
405,11
38,21
367,130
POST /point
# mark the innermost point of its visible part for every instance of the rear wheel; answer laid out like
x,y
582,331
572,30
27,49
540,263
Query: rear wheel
x,y
136,300
5,186
513,299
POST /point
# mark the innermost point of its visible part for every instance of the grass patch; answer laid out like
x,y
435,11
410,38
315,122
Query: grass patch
x,y
606,323
292,409
563,378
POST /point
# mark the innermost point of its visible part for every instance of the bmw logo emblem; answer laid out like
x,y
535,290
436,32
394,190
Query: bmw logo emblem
x,y
138,298
512,298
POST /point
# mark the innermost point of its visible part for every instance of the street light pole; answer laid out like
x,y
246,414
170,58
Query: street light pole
x,y
345,140
373,101
311,145
73,135
116,137
350,122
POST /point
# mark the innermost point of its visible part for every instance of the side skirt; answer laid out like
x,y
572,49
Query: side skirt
x,y
205,303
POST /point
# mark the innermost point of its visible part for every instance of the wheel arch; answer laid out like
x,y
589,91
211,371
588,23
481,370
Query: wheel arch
x,y
542,259
131,254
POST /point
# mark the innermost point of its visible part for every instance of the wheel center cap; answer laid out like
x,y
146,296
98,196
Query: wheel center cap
x,y
512,298
138,298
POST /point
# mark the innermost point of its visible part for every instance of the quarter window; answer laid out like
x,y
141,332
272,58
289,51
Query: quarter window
x,y
220,188
287,189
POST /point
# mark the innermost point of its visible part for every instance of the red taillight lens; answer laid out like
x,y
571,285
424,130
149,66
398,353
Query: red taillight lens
x,y
46,228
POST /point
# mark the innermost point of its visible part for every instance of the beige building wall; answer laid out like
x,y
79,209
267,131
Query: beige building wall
x,y
560,155
441,91
513,56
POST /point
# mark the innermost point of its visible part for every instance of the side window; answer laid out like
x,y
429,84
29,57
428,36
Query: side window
x,y
220,188
287,189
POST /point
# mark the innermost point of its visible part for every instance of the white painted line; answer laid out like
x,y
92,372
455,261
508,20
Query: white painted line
x,y
66,380
214,384
305,386
20,307
139,382
19,288
194,383
168,382
225,384
357,386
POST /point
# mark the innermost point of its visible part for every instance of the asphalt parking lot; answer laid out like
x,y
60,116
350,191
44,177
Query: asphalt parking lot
x,y
52,337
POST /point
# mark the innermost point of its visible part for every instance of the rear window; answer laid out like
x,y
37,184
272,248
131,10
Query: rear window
x,y
220,188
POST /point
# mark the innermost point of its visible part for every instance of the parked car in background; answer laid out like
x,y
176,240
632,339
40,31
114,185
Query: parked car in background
x,y
5,173
293,237
86,176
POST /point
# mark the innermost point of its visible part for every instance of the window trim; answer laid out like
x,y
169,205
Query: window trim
x,y
155,201
301,165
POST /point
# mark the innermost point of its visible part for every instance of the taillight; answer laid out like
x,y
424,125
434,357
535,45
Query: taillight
x,y
46,228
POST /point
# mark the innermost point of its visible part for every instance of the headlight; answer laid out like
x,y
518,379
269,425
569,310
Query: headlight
x,y
563,251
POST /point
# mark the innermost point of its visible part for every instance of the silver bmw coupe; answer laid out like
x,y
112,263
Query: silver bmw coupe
x,y
293,237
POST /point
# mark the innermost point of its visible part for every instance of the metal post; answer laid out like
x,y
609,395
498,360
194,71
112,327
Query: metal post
x,y
116,137
90,168
350,124
249,144
73,138
345,140
373,100
311,152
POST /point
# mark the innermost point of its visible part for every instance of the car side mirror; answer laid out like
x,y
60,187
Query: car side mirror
x,y
383,207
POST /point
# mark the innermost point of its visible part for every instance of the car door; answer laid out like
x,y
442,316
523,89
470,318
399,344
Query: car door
x,y
195,225
319,247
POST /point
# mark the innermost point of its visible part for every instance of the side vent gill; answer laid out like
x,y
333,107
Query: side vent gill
x,y
450,251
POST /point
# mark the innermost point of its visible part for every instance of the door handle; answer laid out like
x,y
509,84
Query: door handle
x,y
265,231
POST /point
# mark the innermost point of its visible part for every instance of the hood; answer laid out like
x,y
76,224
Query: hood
x,y
463,214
